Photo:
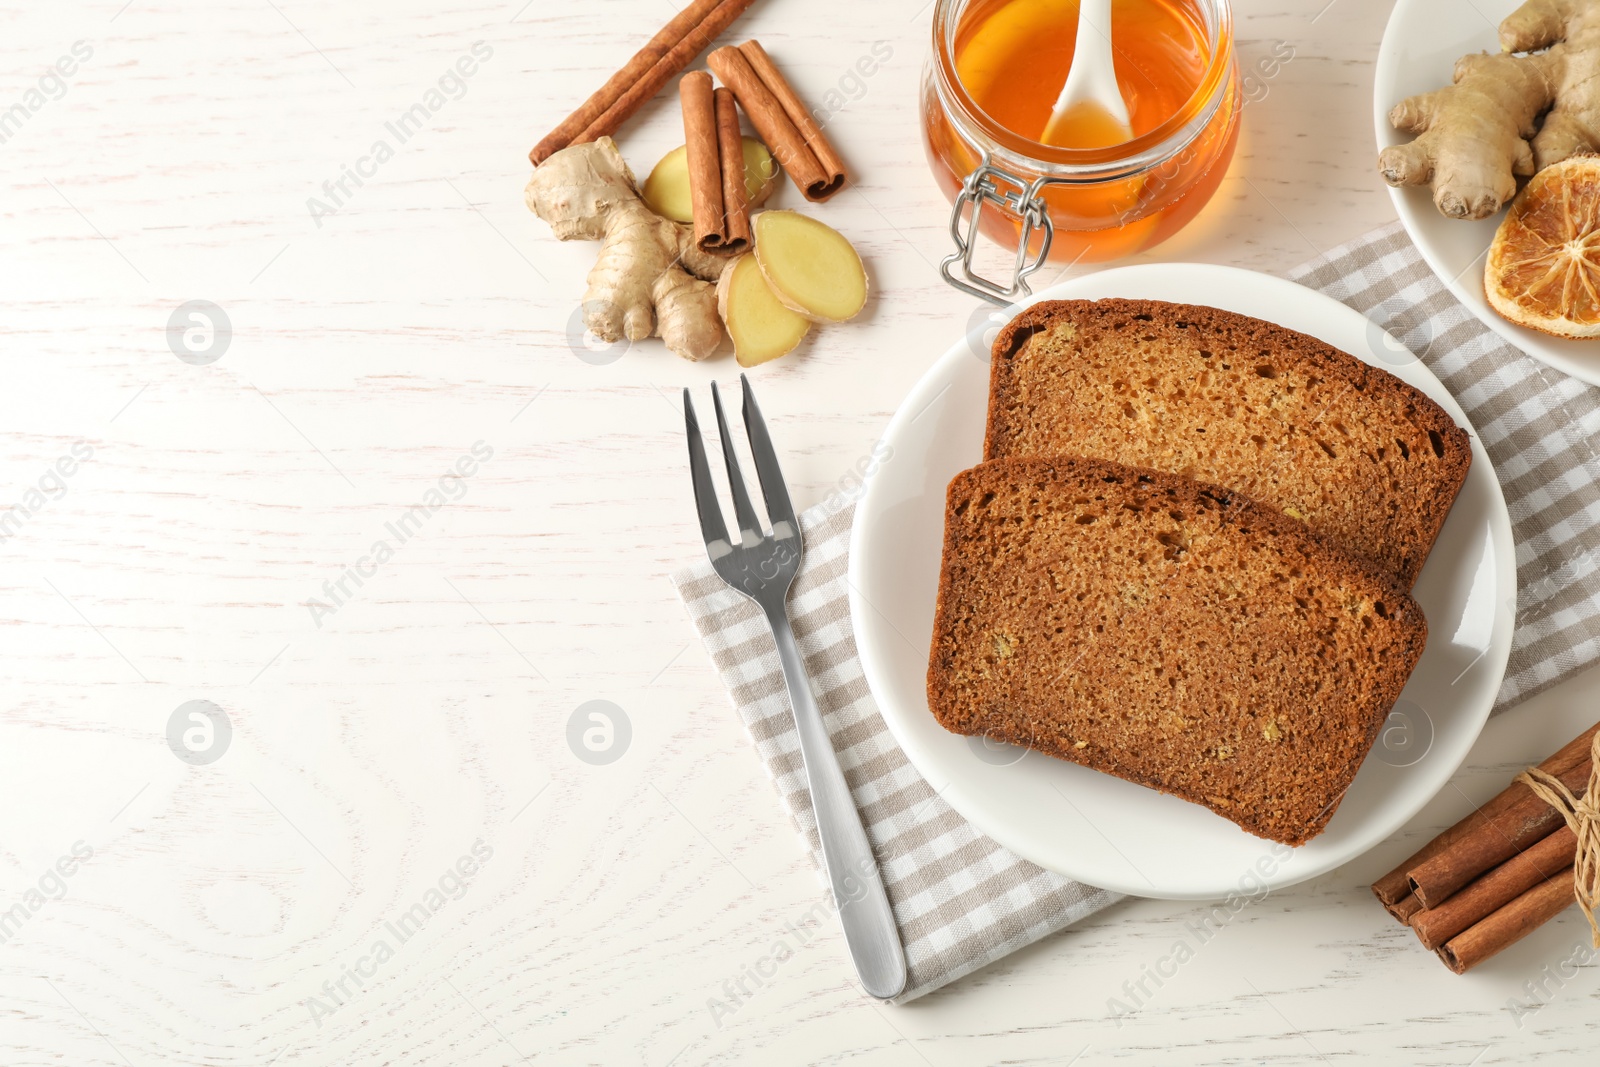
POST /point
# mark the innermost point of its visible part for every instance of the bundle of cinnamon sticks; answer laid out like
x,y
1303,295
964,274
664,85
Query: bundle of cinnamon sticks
x,y
780,117
716,166
662,58
775,109
1500,873
716,156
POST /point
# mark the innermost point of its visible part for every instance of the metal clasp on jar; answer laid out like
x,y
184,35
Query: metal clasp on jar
x,y
985,185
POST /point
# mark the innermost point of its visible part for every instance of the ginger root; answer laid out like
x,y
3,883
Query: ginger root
x,y
649,277
1477,136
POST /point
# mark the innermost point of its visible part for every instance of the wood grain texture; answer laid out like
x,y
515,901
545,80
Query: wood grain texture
x,y
368,353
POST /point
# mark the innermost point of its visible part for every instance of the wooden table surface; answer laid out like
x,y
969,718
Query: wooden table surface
x,y
394,721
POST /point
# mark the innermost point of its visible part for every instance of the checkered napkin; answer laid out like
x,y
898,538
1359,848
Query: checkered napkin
x,y
961,900
1538,426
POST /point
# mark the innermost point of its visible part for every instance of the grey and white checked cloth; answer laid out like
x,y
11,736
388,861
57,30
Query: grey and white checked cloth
x,y
960,899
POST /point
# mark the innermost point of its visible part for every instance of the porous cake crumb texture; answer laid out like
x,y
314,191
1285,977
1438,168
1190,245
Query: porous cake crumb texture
x,y
1367,460
1167,632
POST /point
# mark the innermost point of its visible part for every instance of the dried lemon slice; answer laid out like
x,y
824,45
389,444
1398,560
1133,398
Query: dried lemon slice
x,y
1543,269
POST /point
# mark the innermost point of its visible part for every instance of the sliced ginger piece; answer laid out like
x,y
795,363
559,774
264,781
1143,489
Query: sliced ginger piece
x,y
1543,270
811,268
760,172
667,188
761,327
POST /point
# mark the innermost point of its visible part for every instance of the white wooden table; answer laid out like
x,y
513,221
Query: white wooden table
x,y
413,735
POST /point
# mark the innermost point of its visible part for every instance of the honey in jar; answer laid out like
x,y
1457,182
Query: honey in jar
x,y
990,88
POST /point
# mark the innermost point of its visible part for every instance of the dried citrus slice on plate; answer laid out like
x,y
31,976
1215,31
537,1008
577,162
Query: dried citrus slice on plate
x,y
1543,270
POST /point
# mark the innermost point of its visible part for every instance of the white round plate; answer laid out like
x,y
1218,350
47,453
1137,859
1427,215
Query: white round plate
x,y
1103,830
1421,44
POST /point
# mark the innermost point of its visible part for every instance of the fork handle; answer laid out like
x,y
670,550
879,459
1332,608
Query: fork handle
x,y
858,893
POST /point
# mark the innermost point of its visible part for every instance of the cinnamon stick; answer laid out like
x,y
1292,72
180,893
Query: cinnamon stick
x,y
1404,908
735,197
662,58
1496,889
705,169
771,121
1524,824
1504,928
832,166
1395,885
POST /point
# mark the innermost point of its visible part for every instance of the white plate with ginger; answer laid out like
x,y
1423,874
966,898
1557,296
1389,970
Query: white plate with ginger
x,y
1107,831
1421,45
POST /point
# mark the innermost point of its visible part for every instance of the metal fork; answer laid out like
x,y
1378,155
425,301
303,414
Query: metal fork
x,y
762,566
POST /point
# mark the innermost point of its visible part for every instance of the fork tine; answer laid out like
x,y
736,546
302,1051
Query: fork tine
x,y
712,529
773,489
743,510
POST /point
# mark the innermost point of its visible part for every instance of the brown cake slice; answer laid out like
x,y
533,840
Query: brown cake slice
x,y
1368,461
1169,633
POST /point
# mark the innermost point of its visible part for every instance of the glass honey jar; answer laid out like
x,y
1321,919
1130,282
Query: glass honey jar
x,y
987,94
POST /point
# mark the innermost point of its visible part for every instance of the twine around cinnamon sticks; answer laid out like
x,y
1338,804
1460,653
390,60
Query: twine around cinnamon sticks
x,y
1582,816
1510,866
